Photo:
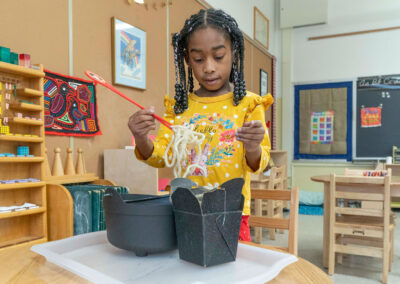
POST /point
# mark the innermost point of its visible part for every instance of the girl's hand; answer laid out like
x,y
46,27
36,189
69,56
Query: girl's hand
x,y
251,135
141,122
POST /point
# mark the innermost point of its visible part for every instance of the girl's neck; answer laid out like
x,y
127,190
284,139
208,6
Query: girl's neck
x,y
203,92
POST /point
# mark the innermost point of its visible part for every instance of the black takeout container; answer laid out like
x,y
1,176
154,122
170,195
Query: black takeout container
x,y
208,222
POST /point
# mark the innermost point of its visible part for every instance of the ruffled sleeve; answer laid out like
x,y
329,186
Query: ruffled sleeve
x,y
169,106
163,137
256,111
258,101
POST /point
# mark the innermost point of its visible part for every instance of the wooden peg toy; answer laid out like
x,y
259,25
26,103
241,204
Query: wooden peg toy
x,y
80,163
57,164
69,164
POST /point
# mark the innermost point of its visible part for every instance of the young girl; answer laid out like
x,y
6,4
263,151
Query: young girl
x,y
231,118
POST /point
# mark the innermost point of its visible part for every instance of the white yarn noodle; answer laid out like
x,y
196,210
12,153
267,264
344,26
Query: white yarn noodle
x,y
183,139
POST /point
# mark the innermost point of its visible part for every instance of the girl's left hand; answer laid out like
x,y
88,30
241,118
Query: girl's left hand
x,y
251,134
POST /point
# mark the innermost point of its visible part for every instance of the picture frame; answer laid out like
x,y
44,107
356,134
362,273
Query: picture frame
x,y
129,55
263,83
261,28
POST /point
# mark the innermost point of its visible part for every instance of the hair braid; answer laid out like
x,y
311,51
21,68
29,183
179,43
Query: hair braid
x,y
220,20
190,79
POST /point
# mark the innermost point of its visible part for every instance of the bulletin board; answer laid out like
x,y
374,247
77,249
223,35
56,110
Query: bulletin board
x,y
378,116
323,121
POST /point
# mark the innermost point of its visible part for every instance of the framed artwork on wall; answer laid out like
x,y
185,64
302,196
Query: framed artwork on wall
x,y
261,28
263,83
129,55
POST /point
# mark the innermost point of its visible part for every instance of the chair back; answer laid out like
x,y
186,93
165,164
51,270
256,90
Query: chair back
x,y
375,190
364,230
277,178
290,224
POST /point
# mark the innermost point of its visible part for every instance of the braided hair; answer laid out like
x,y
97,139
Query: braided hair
x,y
223,22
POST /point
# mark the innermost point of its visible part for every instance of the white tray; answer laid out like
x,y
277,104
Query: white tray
x,y
92,257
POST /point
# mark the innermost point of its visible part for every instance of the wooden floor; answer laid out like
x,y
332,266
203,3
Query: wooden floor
x,y
355,269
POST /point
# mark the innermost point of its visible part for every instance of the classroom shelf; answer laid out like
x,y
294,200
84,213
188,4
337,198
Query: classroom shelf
x,y
27,92
17,185
21,159
20,70
26,121
22,213
15,138
66,179
25,226
26,107
26,240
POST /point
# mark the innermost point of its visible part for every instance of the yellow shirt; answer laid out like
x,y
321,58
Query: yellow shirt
x,y
218,118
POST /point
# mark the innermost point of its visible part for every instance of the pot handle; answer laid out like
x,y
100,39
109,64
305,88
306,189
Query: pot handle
x,y
113,194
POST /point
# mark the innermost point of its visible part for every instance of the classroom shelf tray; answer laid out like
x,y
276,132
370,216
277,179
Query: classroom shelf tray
x,y
92,257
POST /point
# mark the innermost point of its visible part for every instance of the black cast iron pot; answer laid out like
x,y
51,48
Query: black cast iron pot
x,y
140,223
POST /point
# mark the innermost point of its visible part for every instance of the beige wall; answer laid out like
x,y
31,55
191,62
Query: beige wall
x,y
303,171
41,29
42,32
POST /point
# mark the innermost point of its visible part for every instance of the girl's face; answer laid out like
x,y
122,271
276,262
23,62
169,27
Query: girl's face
x,y
210,56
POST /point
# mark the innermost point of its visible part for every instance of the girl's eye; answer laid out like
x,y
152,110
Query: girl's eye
x,y
219,57
197,60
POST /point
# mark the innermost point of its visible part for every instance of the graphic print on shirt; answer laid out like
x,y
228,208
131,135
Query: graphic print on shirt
x,y
219,144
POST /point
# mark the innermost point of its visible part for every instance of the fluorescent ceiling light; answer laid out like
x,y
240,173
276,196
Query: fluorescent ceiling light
x,y
139,1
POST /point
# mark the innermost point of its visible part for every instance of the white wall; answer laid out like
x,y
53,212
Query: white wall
x,y
351,56
340,58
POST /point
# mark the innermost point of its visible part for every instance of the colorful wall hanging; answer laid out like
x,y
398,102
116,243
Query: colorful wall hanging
x,y
70,106
311,103
322,127
371,116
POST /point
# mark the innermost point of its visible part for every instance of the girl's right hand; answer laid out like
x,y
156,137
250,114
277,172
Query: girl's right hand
x,y
141,122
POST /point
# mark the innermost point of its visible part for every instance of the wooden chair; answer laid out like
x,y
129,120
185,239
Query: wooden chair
x,y
269,208
369,204
360,173
273,223
360,231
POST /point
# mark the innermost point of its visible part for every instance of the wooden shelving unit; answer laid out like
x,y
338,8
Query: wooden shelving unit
x,y
22,213
26,121
26,226
20,71
27,92
60,205
21,138
21,159
22,185
26,107
67,179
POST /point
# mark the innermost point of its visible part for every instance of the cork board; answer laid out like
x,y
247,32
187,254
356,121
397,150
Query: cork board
x,y
314,105
43,32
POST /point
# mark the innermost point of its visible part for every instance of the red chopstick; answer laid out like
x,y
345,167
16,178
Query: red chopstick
x,y
103,82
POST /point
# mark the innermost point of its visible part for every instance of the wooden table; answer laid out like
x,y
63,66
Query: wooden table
x,y
21,265
394,192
